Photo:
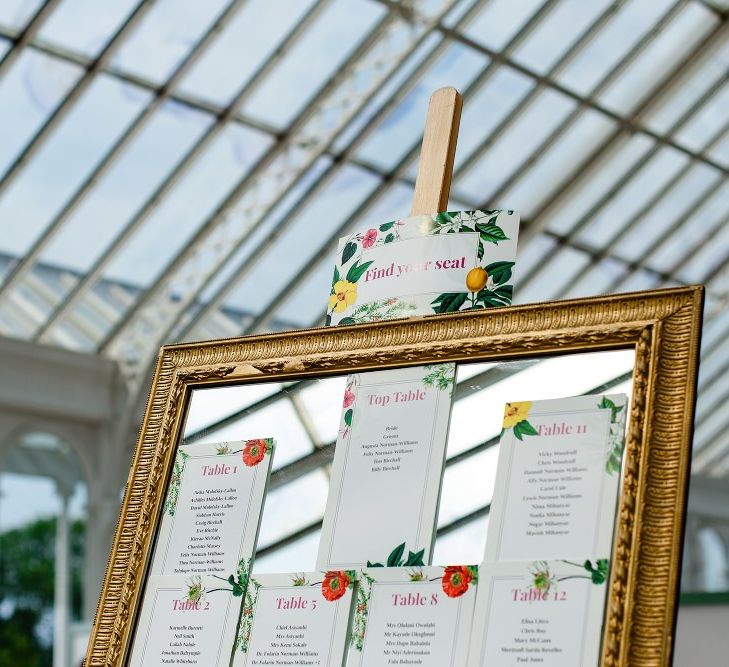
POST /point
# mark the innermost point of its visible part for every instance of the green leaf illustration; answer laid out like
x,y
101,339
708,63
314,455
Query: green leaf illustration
x,y
395,557
356,271
387,225
347,320
389,238
480,249
491,233
598,573
348,252
415,558
348,417
449,302
336,278
444,218
500,272
524,428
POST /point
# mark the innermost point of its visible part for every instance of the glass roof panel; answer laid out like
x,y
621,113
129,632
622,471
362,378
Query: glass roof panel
x,y
212,77
464,545
117,198
706,122
665,219
538,180
613,42
609,172
16,13
166,35
720,152
29,92
598,280
284,513
500,20
403,126
493,168
85,26
314,223
69,156
530,256
468,485
323,403
683,97
559,269
314,58
193,199
296,556
569,20
704,264
485,109
663,53
633,197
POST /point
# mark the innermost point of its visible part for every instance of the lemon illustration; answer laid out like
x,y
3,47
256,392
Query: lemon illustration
x,y
476,279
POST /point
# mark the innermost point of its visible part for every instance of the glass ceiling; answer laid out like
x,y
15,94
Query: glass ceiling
x,y
180,170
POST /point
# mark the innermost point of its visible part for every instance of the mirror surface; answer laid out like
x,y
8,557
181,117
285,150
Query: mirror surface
x,y
303,417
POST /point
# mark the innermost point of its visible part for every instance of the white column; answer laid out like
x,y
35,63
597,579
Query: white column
x,y
62,589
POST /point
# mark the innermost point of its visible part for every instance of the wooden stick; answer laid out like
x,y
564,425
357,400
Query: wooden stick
x,y
435,170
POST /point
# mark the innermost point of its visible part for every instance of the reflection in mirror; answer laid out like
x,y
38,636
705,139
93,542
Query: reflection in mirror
x,y
303,417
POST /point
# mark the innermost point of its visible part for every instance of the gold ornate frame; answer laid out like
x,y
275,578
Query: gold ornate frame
x,y
662,326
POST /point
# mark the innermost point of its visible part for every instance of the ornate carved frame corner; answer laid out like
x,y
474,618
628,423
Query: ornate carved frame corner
x,y
663,327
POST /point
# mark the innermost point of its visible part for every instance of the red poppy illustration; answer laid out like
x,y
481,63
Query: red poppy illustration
x,y
254,451
348,398
335,585
456,579
369,238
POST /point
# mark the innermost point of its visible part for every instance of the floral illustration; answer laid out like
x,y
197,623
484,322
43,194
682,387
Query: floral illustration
x,y
254,451
299,579
335,584
417,575
376,311
174,489
395,559
344,294
487,285
369,238
222,450
516,417
441,376
457,578
615,437
359,624
543,580
350,396
195,589
243,635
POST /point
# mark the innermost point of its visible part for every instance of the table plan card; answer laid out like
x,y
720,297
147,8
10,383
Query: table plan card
x,y
458,260
388,467
187,621
413,616
296,619
213,508
546,613
557,478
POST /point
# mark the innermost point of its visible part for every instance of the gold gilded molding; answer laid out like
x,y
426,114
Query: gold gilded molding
x,y
662,326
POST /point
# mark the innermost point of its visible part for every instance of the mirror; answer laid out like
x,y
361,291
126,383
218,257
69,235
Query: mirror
x,y
303,417
289,387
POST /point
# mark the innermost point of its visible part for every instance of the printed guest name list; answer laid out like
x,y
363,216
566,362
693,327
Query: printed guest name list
x,y
557,478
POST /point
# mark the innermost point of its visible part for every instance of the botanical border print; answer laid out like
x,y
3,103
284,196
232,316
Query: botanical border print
x,y
557,478
388,271
279,603
402,598
392,435
545,612
213,507
186,619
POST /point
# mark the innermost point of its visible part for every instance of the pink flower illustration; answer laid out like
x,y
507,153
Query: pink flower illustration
x,y
348,398
369,238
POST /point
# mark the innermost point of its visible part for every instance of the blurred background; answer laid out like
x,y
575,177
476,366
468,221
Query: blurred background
x,y
177,170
